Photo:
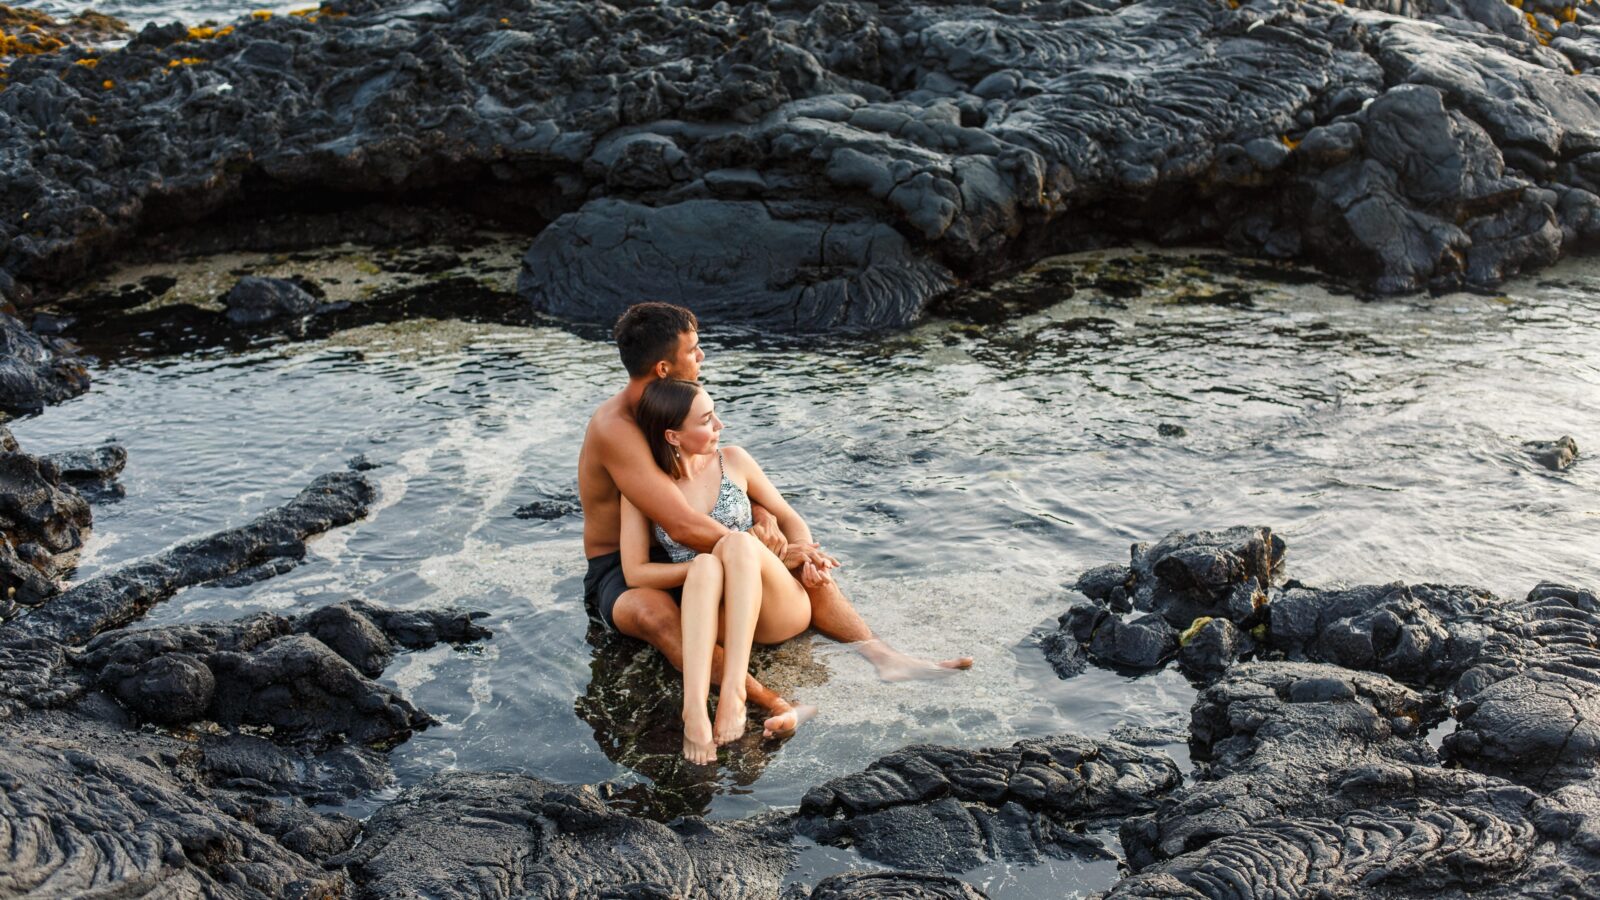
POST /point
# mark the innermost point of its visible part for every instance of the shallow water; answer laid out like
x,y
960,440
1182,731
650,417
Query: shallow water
x,y
965,473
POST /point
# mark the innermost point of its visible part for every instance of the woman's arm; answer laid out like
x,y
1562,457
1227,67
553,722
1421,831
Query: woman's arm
x,y
761,491
637,569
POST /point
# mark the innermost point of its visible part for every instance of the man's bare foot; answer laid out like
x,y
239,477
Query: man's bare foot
x,y
892,665
785,718
730,717
698,747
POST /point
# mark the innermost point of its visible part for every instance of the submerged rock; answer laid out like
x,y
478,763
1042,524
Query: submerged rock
x,y
549,509
1554,455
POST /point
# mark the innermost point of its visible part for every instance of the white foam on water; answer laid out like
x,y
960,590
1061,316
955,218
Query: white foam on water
x,y
481,688
981,614
417,668
527,571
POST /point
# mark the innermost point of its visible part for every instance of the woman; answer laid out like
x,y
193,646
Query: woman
x,y
737,594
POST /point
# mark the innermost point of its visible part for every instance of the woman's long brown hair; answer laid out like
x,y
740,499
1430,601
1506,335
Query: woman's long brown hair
x,y
665,404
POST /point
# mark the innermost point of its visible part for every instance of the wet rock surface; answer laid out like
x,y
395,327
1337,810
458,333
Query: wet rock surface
x,y
308,679
36,369
106,601
257,301
862,158
43,518
188,756
1554,455
1315,772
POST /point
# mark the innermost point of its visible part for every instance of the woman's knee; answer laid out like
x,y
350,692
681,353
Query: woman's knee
x,y
740,545
705,565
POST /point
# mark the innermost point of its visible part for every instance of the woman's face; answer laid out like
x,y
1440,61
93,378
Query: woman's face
x,y
700,428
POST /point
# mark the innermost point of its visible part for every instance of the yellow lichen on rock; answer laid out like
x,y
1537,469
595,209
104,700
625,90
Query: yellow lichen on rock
x,y
185,61
30,41
261,15
1193,629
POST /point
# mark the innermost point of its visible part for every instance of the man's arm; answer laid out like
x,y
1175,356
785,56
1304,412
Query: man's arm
x,y
628,461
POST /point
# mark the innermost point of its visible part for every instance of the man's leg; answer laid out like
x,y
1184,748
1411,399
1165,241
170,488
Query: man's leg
x,y
653,617
834,617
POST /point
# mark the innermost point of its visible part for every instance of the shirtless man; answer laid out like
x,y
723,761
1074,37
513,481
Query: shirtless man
x,y
659,340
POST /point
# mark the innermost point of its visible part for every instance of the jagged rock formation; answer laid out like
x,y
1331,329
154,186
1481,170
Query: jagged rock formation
x,y
1316,774
36,369
940,808
813,165
464,834
1200,593
309,679
107,808
100,802
43,518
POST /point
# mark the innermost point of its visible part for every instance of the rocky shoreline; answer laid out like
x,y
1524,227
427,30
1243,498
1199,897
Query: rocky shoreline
x,y
820,165
869,159
195,755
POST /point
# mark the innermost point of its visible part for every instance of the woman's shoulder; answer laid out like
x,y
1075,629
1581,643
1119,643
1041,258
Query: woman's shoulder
x,y
739,460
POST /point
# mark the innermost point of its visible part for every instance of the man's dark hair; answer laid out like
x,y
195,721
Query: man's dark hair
x,y
648,333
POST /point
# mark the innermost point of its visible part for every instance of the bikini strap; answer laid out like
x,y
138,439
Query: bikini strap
x,y
721,466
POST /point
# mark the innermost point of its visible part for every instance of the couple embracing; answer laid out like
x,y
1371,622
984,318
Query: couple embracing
x,y
692,550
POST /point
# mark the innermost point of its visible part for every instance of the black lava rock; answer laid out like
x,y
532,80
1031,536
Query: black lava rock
x,y
257,301
36,370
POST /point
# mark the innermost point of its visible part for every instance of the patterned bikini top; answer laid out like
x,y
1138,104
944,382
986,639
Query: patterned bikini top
x,y
732,509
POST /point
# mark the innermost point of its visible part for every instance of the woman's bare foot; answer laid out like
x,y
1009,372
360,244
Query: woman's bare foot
x,y
730,717
892,665
698,747
785,718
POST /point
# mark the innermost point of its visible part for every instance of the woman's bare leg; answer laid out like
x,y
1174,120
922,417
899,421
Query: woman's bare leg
x,y
785,608
785,612
741,607
702,594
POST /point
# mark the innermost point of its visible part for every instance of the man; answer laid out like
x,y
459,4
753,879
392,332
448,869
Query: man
x,y
659,340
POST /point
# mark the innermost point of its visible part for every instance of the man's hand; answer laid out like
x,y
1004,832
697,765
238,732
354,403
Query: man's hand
x,y
812,563
767,531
